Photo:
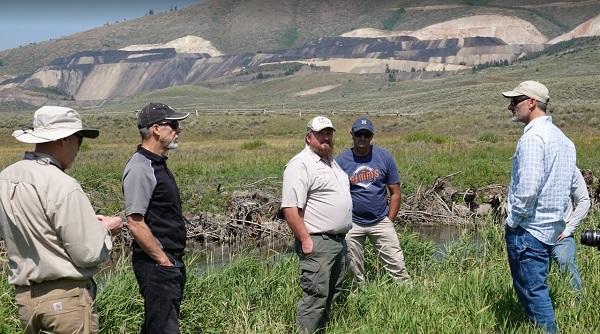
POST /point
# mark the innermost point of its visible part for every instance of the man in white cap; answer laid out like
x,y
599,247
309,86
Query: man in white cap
x,y
317,206
542,177
55,242
155,219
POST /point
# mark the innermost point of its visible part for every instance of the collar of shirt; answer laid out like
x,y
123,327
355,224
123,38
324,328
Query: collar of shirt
x,y
314,155
42,159
151,155
538,120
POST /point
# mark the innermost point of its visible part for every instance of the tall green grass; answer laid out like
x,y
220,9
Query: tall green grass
x,y
466,288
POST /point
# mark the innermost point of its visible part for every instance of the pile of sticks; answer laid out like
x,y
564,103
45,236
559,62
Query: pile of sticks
x,y
442,203
251,216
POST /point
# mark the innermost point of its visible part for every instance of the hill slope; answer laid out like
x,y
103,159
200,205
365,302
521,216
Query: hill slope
x,y
235,26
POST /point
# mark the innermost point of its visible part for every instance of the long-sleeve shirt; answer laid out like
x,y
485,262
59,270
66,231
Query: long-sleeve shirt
x,y
48,224
578,206
541,180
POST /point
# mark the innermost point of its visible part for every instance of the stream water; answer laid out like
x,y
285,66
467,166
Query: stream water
x,y
214,255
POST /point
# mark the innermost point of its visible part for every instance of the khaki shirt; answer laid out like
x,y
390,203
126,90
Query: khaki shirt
x,y
48,224
321,191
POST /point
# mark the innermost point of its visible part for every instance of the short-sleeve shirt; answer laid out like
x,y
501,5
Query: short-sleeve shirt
x,y
320,190
369,177
151,191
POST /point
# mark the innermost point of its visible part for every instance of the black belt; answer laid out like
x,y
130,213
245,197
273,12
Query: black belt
x,y
330,235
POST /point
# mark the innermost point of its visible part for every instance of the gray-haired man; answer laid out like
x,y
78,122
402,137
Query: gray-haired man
x,y
155,218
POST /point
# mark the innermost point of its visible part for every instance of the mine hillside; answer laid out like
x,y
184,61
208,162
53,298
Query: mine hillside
x,y
457,38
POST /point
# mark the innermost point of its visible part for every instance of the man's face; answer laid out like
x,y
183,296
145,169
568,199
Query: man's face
x,y
362,138
520,108
321,142
169,134
71,148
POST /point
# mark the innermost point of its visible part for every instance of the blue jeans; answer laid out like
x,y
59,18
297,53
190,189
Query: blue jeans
x,y
564,254
529,261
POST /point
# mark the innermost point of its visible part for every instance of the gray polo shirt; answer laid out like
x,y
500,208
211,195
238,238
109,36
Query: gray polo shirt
x,y
321,191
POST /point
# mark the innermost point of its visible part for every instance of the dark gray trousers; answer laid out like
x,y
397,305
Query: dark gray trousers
x,y
321,276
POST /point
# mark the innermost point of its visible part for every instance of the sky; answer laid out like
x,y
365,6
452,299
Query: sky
x,y
26,21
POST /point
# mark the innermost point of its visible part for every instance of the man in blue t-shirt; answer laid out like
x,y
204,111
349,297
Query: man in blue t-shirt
x,y
372,172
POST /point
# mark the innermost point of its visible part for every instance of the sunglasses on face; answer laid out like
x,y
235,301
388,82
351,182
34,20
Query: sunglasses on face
x,y
518,99
173,124
365,134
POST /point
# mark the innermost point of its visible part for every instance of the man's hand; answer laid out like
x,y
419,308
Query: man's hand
x,y
113,224
307,246
561,237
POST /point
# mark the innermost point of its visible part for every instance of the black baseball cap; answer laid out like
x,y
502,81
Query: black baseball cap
x,y
157,112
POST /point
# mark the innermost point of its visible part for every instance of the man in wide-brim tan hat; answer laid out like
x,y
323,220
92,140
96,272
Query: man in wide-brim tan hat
x,y
55,242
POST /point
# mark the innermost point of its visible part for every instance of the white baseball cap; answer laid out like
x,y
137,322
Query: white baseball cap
x,y
531,89
319,123
52,123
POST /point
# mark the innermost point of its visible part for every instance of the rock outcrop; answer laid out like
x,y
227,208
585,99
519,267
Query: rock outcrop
x,y
99,75
187,44
510,29
588,28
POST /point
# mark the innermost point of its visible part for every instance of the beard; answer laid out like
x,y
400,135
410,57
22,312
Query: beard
x,y
324,150
170,145
173,145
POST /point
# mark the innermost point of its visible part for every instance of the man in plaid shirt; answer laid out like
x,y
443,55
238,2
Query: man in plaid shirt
x,y
543,173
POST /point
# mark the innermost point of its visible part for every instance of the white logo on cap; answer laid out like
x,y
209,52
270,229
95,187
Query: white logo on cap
x,y
364,121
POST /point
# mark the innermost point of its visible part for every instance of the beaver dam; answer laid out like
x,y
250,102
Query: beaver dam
x,y
252,215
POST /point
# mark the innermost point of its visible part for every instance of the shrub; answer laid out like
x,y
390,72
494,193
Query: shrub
x,y
253,145
426,137
490,137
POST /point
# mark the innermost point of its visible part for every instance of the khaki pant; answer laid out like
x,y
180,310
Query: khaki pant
x,y
384,238
61,306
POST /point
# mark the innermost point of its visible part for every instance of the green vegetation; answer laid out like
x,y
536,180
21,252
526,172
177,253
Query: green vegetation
x,y
425,138
289,37
254,145
390,22
464,289
490,137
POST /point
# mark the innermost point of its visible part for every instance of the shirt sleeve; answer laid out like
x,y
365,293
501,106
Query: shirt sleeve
x,y
85,239
529,173
139,182
581,203
295,186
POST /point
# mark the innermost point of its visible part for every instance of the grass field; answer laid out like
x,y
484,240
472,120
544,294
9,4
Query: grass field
x,y
466,289
455,124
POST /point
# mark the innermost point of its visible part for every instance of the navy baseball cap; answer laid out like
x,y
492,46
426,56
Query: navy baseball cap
x,y
362,123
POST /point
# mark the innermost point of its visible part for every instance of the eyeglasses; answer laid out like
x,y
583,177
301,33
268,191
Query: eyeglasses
x,y
518,99
173,124
365,134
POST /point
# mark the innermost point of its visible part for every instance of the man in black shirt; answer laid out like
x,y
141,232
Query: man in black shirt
x,y
155,219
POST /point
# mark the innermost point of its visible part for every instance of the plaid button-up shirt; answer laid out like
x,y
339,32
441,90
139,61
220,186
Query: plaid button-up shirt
x,y
542,176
